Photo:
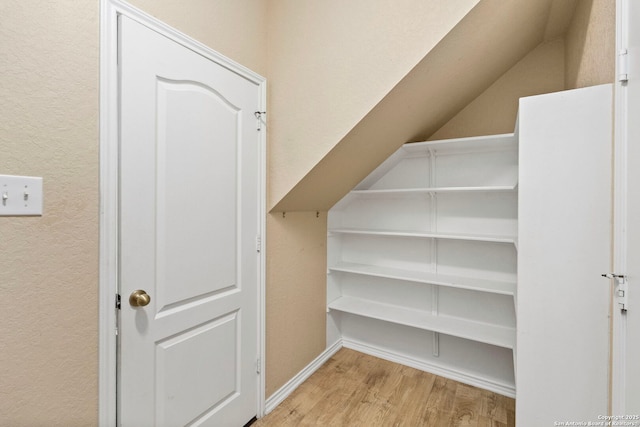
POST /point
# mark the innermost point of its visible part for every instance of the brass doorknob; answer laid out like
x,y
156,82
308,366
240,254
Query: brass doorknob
x,y
139,298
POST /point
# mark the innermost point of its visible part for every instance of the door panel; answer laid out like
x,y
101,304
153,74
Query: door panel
x,y
564,245
193,251
189,217
191,361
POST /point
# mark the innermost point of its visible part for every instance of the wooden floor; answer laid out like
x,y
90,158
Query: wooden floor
x,y
354,389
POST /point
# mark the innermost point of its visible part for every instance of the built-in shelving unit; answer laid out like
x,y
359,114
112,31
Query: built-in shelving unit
x,y
422,260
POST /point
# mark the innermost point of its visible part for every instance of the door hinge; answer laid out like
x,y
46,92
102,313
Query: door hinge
x,y
258,243
621,290
623,65
118,305
258,365
259,115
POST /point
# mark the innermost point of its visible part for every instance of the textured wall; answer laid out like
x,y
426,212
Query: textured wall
x,y
296,293
49,264
584,56
485,44
495,110
590,44
330,62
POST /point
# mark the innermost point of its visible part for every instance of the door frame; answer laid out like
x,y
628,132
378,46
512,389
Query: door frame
x,y
618,320
620,179
110,10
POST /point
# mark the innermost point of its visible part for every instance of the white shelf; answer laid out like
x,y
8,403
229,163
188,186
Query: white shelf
x,y
429,235
475,331
401,191
474,144
481,285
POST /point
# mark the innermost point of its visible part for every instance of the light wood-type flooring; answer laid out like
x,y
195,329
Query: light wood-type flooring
x,y
355,389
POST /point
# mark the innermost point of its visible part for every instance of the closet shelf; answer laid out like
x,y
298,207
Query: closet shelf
x,y
480,285
473,144
427,190
426,234
475,331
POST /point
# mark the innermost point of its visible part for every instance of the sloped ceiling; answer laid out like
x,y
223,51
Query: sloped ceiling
x,y
486,43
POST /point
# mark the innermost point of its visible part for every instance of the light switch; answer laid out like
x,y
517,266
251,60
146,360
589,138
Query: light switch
x,y
20,195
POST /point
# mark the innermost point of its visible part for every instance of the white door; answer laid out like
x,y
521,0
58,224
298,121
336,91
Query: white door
x,y
189,220
564,245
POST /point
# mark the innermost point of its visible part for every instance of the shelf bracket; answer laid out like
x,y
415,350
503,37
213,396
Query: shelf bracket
x,y
621,290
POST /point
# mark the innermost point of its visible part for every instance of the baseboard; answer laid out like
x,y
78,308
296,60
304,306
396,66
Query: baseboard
x,y
283,392
443,371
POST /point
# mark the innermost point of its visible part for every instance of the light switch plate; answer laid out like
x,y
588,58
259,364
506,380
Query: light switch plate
x,y
20,195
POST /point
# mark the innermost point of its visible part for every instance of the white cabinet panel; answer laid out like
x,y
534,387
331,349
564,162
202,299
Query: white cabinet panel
x,y
564,247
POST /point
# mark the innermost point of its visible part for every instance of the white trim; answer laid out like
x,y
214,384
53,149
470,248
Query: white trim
x,y
617,353
262,310
496,387
107,399
107,351
283,392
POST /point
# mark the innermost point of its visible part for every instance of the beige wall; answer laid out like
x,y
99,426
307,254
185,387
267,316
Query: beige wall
x,y
49,265
452,74
296,293
331,61
590,44
584,55
495,110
